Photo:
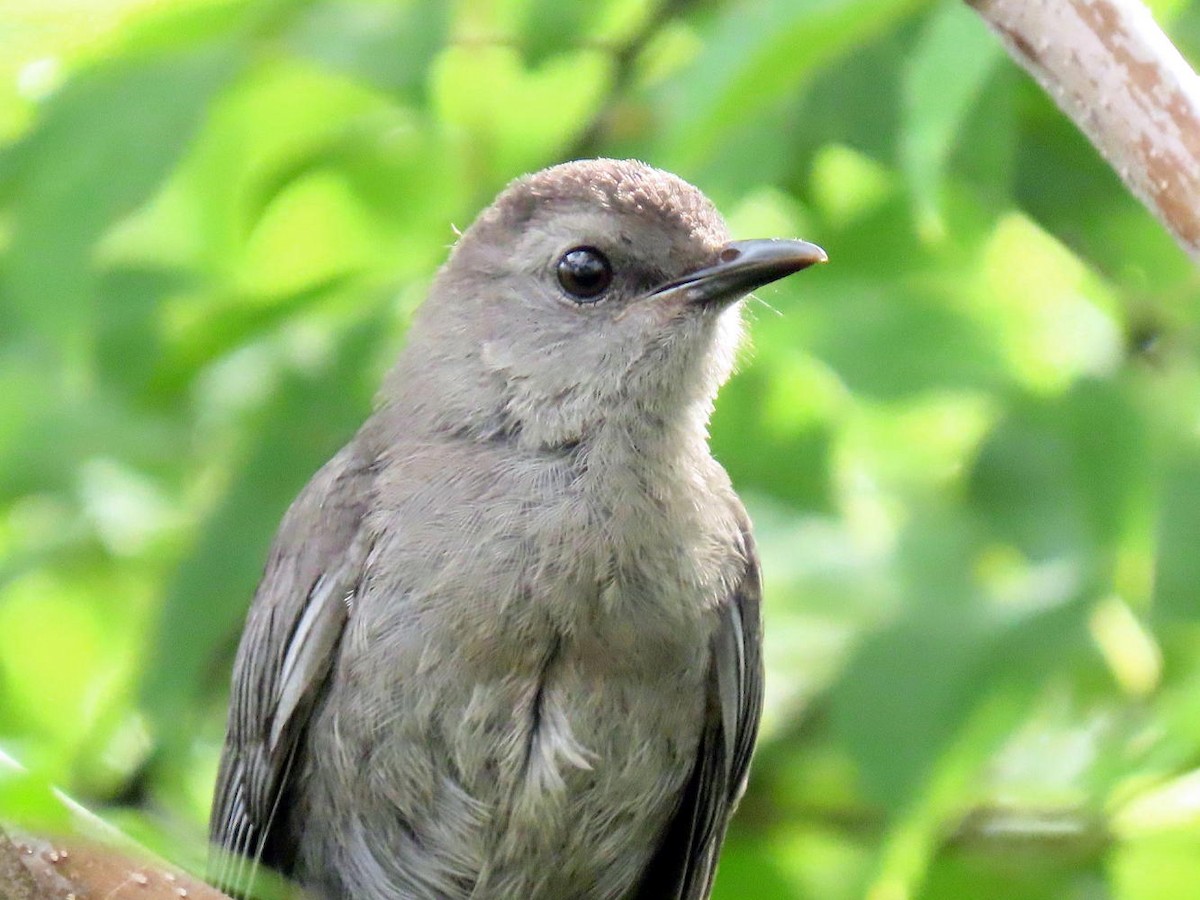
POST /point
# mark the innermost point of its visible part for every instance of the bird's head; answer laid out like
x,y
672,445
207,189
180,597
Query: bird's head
x,y
591,293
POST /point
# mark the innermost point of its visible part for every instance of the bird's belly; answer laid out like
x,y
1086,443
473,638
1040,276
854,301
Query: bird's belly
x,y
546,781
509,743
605,757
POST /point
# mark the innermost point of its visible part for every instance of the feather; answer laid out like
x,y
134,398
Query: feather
x,y
287,652
684,865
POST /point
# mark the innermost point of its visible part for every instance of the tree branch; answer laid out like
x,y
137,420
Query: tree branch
x,y
1110,68
16,882
37,868
624,61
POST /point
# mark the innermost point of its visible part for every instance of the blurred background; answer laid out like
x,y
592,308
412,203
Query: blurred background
x,y
971,443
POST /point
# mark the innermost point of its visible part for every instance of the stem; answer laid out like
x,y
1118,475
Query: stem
x,y
1110,68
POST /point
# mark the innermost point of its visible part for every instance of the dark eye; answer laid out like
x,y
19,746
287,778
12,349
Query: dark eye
x,y
584,273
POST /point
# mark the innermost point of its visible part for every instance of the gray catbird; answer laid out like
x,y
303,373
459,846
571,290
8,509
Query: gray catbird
x,y
508,645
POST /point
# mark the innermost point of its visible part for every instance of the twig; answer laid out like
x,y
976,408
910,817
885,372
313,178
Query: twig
x,y
624,65
1110,68
16,881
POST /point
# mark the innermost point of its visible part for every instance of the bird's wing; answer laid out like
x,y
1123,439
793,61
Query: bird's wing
x,y
287,651
685,862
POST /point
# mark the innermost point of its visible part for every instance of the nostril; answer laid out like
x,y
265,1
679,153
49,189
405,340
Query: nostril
x,y
729,254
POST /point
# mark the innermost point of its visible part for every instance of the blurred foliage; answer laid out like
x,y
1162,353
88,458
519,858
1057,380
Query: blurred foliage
x,y
970,443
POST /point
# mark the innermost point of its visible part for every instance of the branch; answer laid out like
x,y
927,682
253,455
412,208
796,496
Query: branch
x,y
16,882
1112,70
36,868
624,63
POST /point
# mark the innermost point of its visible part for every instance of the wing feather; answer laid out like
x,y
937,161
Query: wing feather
x,y
288,647
685,862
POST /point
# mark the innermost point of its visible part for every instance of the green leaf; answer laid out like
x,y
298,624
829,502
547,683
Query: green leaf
x,y
913,685
1063,478
753,58
1177,581
943,79
389,46
111,137
888,341
312,415
504,129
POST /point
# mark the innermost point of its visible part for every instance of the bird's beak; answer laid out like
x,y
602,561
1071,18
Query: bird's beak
x,y
743,266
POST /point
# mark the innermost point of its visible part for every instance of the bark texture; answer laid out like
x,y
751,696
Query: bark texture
x,y
1110,68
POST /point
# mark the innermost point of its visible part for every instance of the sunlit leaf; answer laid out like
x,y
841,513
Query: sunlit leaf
x,y
756,56
306,423
138,117
949,66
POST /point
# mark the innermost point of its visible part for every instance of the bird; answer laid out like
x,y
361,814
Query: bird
x,y
508,640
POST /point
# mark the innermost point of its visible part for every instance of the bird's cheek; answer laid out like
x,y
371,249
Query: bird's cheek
x,y
497,357
656,312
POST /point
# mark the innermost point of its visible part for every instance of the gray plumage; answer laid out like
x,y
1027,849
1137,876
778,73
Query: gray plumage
x,y
508,643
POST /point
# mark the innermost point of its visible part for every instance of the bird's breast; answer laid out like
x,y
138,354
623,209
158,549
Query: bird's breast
x,y
523,679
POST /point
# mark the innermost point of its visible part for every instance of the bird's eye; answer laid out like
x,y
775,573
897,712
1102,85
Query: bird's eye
x,y
584,273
